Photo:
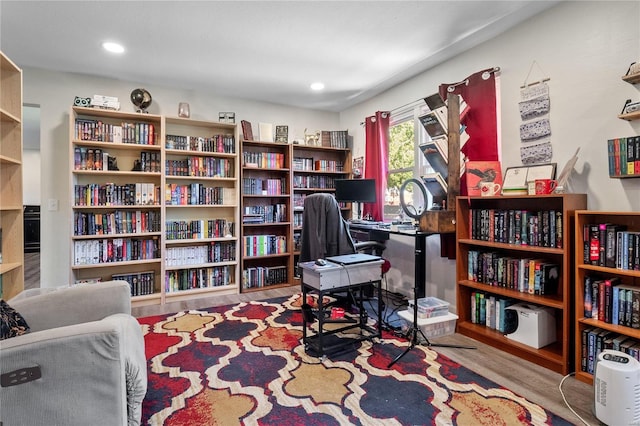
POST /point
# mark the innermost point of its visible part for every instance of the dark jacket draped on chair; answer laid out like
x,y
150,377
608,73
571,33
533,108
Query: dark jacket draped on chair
x,y
324,231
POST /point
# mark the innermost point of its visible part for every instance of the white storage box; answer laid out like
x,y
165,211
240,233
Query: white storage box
x,y
442,325
429,307
536,325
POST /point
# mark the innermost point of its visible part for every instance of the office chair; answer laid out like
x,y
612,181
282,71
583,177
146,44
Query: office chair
x,y
325,233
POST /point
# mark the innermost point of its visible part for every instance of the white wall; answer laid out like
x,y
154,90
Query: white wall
x,y
584,47
55,91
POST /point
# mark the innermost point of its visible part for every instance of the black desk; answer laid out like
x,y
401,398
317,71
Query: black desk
x,y
380,234
325,280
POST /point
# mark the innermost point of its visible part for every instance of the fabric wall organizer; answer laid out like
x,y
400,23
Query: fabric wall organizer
x,y
535,130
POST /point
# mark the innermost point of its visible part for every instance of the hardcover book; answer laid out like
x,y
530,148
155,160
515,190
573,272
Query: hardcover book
x,y
479,172
247,132
282,134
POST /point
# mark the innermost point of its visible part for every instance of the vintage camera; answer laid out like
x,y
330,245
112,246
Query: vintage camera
x,y
83,102
630,107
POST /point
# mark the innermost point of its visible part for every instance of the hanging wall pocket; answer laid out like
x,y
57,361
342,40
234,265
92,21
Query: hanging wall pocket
x,y
535,130
534,107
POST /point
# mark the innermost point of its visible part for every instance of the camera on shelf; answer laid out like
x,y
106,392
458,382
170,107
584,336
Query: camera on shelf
x,y
630,107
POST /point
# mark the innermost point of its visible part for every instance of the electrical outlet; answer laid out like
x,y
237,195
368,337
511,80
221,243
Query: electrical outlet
x,y
52,205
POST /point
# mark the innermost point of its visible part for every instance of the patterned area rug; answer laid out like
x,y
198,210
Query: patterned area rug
x,y
244,364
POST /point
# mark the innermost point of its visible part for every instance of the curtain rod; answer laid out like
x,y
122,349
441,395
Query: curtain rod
x,y
450,88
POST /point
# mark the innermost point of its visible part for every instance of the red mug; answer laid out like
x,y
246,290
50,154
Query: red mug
x,y
545,186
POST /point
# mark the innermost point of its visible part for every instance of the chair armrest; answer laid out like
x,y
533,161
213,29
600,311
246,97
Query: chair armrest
x,y
88,372
72,305
373,246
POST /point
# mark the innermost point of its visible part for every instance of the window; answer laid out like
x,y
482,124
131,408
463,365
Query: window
x,y
405,158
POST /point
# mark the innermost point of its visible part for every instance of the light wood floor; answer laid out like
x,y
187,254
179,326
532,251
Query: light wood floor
x,y
535,383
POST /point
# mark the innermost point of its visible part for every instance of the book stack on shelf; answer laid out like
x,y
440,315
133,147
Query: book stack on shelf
x,y
335,139
606,286
624,156
541,228
489,310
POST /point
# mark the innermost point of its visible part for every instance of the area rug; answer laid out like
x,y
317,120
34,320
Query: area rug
x,y
245,364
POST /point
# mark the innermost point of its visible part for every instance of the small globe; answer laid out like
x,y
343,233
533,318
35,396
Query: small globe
x,y
141,99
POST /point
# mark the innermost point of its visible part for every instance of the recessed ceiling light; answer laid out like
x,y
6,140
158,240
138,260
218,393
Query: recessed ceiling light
x,y
112,47
318,85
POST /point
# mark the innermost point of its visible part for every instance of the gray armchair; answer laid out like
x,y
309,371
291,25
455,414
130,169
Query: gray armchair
x,y
82,363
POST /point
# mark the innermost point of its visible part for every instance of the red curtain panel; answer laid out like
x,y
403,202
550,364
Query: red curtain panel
x,y
376,164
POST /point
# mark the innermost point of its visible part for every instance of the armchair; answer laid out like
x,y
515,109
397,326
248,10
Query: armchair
x,y
82,363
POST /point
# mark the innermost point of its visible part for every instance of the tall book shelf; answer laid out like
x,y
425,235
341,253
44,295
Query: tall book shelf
x,y
201,233
607,285
266,215
490,235
624,152
315,169
11,209
154,202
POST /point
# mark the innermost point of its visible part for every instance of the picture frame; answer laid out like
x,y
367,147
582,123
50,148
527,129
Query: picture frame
x,y
516,178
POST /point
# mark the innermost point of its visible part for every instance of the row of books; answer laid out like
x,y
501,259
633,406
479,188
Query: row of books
x,y
533,276
200,167
116,222
141,283
198,229
217,143
192,278
111,194
262,276
272,213
263,160
98,131
594,340
298,202
611,245
264,186
334,138
215,251
93,252
308,164
89,159
297,218
263,245
520,227
489,310
624,156
611,301
324,182
197,194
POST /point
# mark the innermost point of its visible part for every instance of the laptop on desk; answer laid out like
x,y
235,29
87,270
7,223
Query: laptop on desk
x,y
352,259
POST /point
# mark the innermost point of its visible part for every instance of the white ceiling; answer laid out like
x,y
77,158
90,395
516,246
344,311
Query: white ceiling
x,y
263,50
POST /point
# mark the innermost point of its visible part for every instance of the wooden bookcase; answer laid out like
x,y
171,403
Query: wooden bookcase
x,y
621,146
11,209
315,169
145,217
557,356
267,242
210,219
631,220
108,236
